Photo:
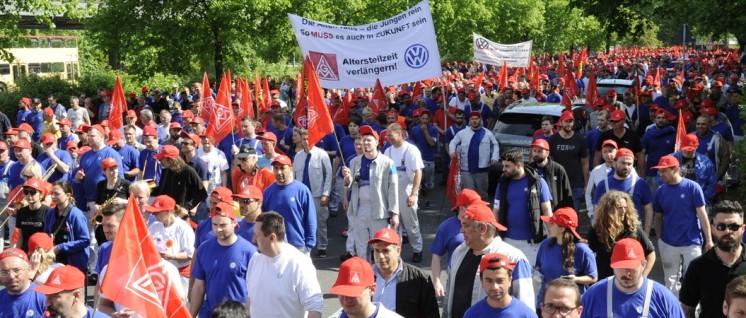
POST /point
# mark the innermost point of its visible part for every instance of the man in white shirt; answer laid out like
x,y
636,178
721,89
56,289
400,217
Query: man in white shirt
x,y
76,114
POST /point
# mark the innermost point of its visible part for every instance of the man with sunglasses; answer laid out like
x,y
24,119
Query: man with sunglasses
x,y
247,172
705,279
250,206
625,138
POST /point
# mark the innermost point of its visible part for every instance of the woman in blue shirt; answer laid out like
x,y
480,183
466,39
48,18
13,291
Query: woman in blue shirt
x,y
564,253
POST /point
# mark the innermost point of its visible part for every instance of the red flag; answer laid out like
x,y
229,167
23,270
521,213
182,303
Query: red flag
x,y
657,79
262,104
118,106
135,276
592,92
453,181
221,118
478,81
265,89
205,101
342,113
378,101
571,84
567,99
246,105
418,92
503,77
680,132
316,117
561,66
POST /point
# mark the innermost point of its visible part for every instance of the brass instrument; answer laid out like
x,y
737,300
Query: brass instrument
x,y
23,203
97,218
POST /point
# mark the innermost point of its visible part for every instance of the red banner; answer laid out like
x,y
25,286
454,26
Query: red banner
x,y
118,106
205,99
316,116
221,113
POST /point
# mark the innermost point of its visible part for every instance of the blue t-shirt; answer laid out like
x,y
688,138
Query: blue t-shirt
x,y
104,253
90,162
25,304
551,262
591,141
226,146
705,148
515,309
519,222
89,314
420,140
62,142
447,238
254,143
130,159
204,232
153,168
22,116
452,131
224,270
663,303
36,121
678,203
641,195
295,203
200,167
246,230
47,162
657,143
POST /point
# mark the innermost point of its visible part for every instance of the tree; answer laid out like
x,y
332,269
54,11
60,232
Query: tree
x,y
716,18
620,17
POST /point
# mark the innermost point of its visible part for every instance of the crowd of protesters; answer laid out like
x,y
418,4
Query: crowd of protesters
x,y
238,221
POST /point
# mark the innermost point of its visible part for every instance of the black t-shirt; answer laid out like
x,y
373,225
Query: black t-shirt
x,y
464,284
705,280
30,222
568,152
629,140
603,255
688,170
121,190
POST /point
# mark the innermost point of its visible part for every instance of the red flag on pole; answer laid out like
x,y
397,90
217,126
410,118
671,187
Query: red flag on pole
x,y
567,99
246,105
261,102
316,116
205,98
657,79
221,118
378,101
478,81
680,132
453,181
118,106
561,66
265,89
503,76
592,92
418,92
342,113
135,277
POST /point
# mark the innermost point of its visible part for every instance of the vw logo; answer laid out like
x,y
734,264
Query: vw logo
x,y
416,56
482,43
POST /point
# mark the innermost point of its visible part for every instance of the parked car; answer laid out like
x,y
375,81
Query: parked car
x,y
621,86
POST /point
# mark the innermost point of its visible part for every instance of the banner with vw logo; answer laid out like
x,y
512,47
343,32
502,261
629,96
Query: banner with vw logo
x,y
398,50
514,55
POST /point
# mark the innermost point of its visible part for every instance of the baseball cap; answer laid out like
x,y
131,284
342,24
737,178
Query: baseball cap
x,y
48,111
26,101
223,209
681,103
245,151
268,136
282,160
22,144
611,93
48,138
666,113
72,145
617,115
197,120
495,260
367,130
167,151
187,114
175,125
627,253
690,142
99,128
386,235
83,150
196,139
355,275
114,136
541,143
567,115
12,131
161,203
479,212
565,217
40,240
108,163
14,252
25,127
131,114
83,128
61,279
64,121
475,113
223,194
667,162
712,111
149,131
250,192
624,152
609,142
468,197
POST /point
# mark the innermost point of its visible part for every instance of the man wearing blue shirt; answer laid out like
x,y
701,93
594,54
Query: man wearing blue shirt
x,y
425,136
495,275
18,299
65,290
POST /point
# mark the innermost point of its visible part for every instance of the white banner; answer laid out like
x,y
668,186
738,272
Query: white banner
x,y
400,49
488,52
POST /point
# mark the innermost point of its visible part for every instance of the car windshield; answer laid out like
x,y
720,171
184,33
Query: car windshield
x,y
620,90
518,124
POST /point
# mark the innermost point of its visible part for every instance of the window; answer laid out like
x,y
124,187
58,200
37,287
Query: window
x,y
4,69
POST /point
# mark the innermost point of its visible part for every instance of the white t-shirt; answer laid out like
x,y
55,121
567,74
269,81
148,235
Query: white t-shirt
x,y
177,238
42,278
454,102
77,117
406,158
216,163
292,276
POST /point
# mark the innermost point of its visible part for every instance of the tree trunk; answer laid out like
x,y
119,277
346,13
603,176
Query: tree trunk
x,y
608,40
114,59
218,55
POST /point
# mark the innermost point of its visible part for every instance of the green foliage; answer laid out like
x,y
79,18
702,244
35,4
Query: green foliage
x,y
35,86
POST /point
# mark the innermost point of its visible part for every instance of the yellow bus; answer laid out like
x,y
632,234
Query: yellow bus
x,y
41,56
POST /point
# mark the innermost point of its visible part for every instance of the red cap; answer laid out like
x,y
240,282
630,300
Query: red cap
x,y
367,130
688,117
666,113
624,152
355,275
40,240
145,88
250,192
495,260
191,136
83,150
131,114
690,142
114,136
426,112
71,144
417,112
707,103
149,131
22,144
712,111
386,235
175,125
610,93
475,113
472,96
48,138
627,253
61,279
565,217
268,136
525,91
26,127
566,115
108,163
99,128
541,143
197,120
64,121
468,197
26,101
222,194
609,142
718,83
460,90
167,151
83,128
478,212
187,114
282,160
14,252
223,209
49,112
618,115
681,103
12,131
160,204
667,162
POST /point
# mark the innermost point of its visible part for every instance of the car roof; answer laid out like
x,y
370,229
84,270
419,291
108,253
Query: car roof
x,y
542,108
614,82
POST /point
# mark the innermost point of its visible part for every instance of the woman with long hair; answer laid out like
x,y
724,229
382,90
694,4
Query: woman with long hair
x,y
564,253
41,257
615,218
68,227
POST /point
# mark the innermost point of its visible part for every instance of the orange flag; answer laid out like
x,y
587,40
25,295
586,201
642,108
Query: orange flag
x,y
680,132
561,66
591,93
418,92
221,116
503,76
567,99
454,179
246,106
265,89
657,79
205,98
317,117
378,101
261,103
478,81
118,106
135,274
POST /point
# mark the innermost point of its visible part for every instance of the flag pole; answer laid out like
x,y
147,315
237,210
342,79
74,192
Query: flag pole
x,y
96,299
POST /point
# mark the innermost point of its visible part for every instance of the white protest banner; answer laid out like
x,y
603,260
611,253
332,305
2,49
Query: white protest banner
x,y
400,49
514,55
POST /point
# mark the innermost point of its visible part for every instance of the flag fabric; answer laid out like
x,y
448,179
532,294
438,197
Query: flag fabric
x,y
567,99
135,277
118,106
265,89
454,180
342,112
478,81
262,104
221,115
418,92
246,105
316,116
561,66
680,132
592,92
378,101
503,76
657,80
205,101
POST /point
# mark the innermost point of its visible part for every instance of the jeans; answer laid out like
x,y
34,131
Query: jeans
x,y
578,196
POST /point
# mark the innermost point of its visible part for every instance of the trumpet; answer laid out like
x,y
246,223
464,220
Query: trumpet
x,y
97,218
23,203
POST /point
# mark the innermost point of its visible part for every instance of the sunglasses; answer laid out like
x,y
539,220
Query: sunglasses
x,y
247,201
30,192
732,226
614,121
244,159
